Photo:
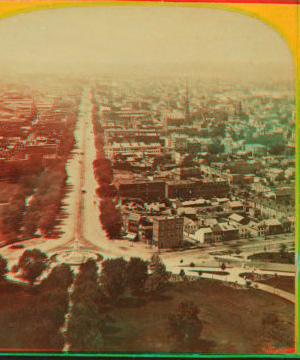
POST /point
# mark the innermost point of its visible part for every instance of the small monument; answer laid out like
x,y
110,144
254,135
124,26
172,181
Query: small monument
x,y
76,256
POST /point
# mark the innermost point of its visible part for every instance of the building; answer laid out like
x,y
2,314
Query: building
x,y
132,148
205,235
179,141
225,231
180,189
142,189
190,226
167,231
186,173
241,223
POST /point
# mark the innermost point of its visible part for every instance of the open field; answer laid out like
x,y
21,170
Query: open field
x,y
231,319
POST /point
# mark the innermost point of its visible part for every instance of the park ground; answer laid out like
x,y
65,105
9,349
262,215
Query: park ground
x,y
231,318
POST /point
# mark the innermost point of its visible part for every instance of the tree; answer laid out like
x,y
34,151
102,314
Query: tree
x,y
47,222
158,275
182,275
238,251
33,263
3,267
137,273
223,266
113,277
184,325
31,222
88,291
12,218
83,330
216,147
283,251
61,276
110,217
44,335
274,331
276,149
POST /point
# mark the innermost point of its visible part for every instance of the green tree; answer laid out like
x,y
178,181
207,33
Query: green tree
x,y
43,335
61,276
223,266
12,218
113,277
110,218
89,291
88,271
31,220
158,276
137,273
276,149
3,268
238,251
33,263
274,331
283,251
184,325
216,147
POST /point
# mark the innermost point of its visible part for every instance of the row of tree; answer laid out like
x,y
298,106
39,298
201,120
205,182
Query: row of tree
x,y
47,185
45,207
51,306
42,209
110,215
87,326
50,299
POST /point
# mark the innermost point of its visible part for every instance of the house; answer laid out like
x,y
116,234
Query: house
x,y
234,205
131,222
205,235
274,226
257,229
199,203
190,226
241,223
288,224
225,231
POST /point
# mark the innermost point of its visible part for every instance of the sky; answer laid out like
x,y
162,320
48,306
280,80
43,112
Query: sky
x,y
161,39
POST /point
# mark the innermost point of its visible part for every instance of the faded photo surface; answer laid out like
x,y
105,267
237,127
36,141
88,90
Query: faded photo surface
x,y
147,182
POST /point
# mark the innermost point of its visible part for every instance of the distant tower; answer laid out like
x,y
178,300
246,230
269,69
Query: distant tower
x,y
33,110
187,106
111,100
239,108
166,124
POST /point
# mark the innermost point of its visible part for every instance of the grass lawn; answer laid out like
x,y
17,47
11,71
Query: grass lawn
x,y
231,318
19,313
286,283
15,316
275,257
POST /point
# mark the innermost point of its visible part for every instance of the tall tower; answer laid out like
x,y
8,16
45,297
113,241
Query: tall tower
x,y
187,105
239,108
111,94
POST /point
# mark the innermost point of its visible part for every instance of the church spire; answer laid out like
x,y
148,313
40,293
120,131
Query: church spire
x,y
187,104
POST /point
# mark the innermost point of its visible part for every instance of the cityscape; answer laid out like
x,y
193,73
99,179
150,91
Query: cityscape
x,y
147,209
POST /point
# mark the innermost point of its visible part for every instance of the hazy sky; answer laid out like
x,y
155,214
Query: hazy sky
x,y
95,36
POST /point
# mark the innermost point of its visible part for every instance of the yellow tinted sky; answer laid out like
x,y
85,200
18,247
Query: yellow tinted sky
x,y
85,38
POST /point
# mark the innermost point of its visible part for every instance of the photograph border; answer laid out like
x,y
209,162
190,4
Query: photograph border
x,y
282,16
